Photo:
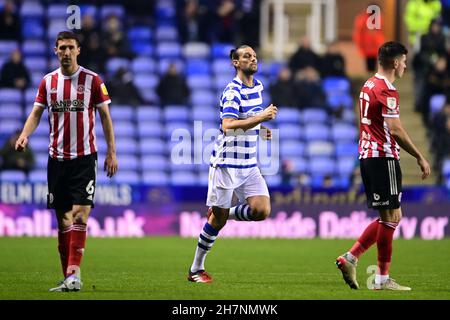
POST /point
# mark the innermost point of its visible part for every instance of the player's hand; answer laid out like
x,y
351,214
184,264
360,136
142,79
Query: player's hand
x,y
424,166
21,143
111,166
269,113
266,133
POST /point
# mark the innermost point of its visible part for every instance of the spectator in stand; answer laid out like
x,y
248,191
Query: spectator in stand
x,y
123,90
172,87
445,15
226,21
9,22
304,57
93,55
418,16
332,62
308,89
248,20
440,144
14,73
10,159
287,173
193,22
115,40
282,91
367,40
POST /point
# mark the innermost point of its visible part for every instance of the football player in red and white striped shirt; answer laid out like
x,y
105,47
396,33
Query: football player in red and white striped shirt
x,y
72,94
381,136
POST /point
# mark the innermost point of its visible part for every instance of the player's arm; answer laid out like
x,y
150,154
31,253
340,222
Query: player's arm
x,y
401,136
266,115
111,165
30,125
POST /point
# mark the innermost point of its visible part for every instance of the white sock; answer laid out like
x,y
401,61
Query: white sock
x,y
205,242
351,257
380,279
199,260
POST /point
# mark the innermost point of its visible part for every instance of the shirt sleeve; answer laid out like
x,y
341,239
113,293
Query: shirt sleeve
x,y
231,101
100,93
390,103
41,95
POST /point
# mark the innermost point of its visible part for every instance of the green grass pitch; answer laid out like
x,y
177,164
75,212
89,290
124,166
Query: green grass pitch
x,y
155,268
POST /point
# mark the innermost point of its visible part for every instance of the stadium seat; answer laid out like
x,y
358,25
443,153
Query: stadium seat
x,y
147,129
38,64
196,50
446,168
314,115
321,166
148,113
198,66
203,178
220,82
316,131
344,132
349,116
11,111
273,180
12,176
113,64
54,27
87,9
112,9
288,115
11,96
166,33
154,163
320,148
129,177
336,84
140,33
143,65
122,112
33,28
34,48
223,67
128,162
204,113
31,9
437,102
164,63
299,164
7,46
36,78
156,178
178,128
199,82
41,159
152,146
127,146
346,165
180,167
345,149
174,113
39,143
43,128
57,11
168,50
291,131
203,97
292,148
146,81
336,101
183,178
142,48
221,50
124,129
38,176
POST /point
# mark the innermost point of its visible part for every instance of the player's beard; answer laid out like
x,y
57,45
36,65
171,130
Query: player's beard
x,y
250,71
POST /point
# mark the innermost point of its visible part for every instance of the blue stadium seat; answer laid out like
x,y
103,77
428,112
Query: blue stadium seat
x,y
173,113
7,46
32,29
143,65
113,64
198,66
204,97
32,9
122,112
165,10
152,146
181,127
12,176
344,132
11,111
437,102
36,64
336,101
38,176
299,164
39,143
312,115
346,149
129,177
146,81
292,148
180,167
166,33
112,9
154,163
36,78
149,95
336,84
316,131
168,50
291,131
34,48
126,145
446,168
148,113
203,178
43,128
88,9
164,63
273,180
41,159
101,146
57,11
124,129
199,82
142,48
320,149
223,67
129,162
221,81
54,27
183,178
221,50
140,33
321,166
196,50
288,115
11,96
156,178
346,165
349,116
153,129
205,113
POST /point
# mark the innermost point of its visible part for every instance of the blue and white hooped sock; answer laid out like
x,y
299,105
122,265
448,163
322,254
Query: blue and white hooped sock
x,y
241,213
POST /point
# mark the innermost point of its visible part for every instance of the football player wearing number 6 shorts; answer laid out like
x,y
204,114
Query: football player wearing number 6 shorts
x,y
72,95
381,136
233,164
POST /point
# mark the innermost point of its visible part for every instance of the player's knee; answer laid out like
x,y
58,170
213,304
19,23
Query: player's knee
x,y
260,212
80,216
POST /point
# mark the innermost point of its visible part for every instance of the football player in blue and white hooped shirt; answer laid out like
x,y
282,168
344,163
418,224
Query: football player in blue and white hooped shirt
x,y
233,167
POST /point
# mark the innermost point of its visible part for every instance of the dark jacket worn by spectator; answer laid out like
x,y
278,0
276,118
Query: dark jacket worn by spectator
x,y
14,73
123,90
172,88
10,159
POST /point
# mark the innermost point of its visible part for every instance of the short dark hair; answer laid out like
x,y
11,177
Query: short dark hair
x,y
389,51
65,35
234,54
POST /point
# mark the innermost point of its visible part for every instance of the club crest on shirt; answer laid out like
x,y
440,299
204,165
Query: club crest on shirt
x,y
230,94
391,103
80,89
